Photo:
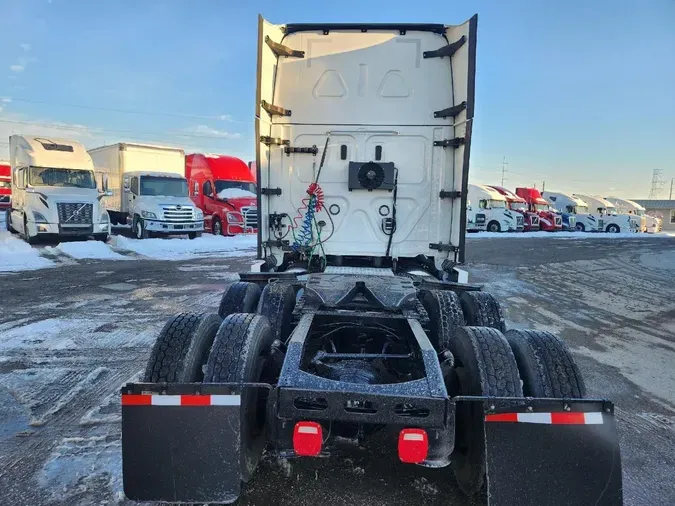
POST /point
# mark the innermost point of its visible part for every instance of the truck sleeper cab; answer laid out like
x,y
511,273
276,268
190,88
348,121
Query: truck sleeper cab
x,y
54,192
609,219
519,205
550,220
489,211
572,206
641,221
224,188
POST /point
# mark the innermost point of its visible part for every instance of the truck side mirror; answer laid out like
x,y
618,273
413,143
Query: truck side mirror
x,y
105,183
108,193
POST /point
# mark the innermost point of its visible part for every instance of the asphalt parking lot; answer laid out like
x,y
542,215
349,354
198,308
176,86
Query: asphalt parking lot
x,y
70,336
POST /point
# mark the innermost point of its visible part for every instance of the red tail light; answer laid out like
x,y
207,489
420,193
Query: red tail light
x,y
413,446
307,439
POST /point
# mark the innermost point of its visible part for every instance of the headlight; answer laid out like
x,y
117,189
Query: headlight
x,y
104,217
148,214
39,218
232,218
200,214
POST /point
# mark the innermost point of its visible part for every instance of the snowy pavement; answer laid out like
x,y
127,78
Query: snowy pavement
x,y
70,337
17,255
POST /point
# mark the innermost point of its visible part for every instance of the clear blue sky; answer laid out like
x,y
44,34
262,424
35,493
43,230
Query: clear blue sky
x,y
580,94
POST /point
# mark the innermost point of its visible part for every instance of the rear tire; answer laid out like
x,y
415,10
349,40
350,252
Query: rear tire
x,y
241,354
481,309
484,366
613,229
182,348
546,365
277,302
445,315
240,297
494,226
26,234
581,227
194,235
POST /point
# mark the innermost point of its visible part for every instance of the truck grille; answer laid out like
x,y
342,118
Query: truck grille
x,y
572,221
535,220
74,213
250,216
178,213
519,221
601,224
558,221
4,199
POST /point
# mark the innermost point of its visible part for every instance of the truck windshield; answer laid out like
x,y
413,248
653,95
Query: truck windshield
x,y
234,189
5,184
496,203
518,206
48,176
164,186
581,210
541,207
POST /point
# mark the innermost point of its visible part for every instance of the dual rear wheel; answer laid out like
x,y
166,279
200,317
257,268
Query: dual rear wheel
x,y
490,361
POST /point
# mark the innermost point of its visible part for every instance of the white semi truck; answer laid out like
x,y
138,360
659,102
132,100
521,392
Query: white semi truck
x,y
54,190
573,205
489,211
647,223
149,189
608,216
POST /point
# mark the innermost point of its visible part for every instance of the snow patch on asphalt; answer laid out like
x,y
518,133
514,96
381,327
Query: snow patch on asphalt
x,y
78,464
88,249
17,255
184,248
568,235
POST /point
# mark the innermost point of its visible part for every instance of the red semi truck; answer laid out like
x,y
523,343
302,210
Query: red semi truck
x,y
223,188
519,205
549,220
5,186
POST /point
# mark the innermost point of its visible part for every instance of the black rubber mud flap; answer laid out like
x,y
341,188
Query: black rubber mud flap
x,y
553,452
178,446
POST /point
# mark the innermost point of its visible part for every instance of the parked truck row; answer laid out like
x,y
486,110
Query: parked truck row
x,y
496,209
56,188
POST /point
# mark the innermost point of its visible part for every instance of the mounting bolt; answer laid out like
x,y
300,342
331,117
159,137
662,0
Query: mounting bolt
x,y
492,407
567,407
529,408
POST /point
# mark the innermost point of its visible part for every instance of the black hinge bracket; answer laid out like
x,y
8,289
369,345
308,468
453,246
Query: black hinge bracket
x,y
450,111
266,139
270,191
274,109
312,151
442,247
450,143
447,50
450,195
281,50
278,244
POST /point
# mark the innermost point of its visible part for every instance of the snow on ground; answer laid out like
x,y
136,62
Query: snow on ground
x,y
86,249
182,248
17,255
568,235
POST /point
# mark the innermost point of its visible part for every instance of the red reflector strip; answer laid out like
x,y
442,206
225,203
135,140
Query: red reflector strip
x,y
180,400
558,418
136,400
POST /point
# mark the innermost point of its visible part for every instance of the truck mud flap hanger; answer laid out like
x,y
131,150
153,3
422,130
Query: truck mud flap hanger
x,y
180,443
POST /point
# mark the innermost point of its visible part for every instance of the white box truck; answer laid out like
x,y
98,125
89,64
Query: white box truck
x,y
149,189
54,190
